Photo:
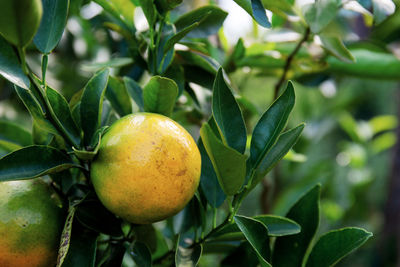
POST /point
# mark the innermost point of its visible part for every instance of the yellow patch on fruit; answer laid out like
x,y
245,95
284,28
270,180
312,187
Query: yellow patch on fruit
x,y
147,169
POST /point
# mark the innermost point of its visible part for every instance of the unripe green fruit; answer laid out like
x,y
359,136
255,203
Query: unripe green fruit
x,y
19,20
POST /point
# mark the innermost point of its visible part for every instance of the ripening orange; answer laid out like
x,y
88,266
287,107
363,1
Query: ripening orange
x,y
147,168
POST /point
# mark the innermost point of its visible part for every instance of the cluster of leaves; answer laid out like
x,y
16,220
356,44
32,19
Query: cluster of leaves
x,y
66,135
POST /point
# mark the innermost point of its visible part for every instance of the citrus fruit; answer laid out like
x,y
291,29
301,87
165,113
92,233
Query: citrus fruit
x,y
31,221
147,168
19,20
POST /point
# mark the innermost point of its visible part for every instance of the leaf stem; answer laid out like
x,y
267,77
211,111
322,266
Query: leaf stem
x,y
45,61
289,62
21,53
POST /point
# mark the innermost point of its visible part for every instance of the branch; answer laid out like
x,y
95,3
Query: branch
x,y
289,62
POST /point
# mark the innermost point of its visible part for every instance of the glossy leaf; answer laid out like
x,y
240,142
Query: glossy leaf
x,y
13,136
270,125
52,24
149,11
210,19
159,95
192,58
276,225
141,254
135,92
336,244
336,47
229,165
35,109
20,20
319,14
122,10
256,10
282,146
92,103
63,116
188,257
118,96
33,161
290,250
82,248
178,36
382,9
228,115
10,68
209,181
257,235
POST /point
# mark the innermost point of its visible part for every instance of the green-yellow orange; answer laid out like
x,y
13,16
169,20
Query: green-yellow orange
x,y
147,169
31,221
19,20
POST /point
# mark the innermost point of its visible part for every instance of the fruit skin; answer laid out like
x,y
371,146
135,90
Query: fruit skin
x,y
19,20
31,222
147,169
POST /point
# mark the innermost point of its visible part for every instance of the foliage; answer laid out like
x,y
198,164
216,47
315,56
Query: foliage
x,y
181,66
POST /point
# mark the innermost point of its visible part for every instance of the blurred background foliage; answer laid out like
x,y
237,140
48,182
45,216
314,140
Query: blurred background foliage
x,y
351,112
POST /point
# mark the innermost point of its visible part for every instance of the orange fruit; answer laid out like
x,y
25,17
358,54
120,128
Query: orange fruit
x,y
147,168
31,222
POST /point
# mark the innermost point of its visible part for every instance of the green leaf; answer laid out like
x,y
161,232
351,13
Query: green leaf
x,y
13,136
134,91
159,95
229,165
276,225
141,254
95,216
178,36
192,58
282,146
63,115
33,161
382,9
191,217
118,96
386,66
149,10
188,257
280,8
36,111
92,103
122,10
270,125
228,115
52,25
256,10
19,20
10,68
112,63
210,19
336,47
336,244
290,250
209,181
82,248
319,14
257,235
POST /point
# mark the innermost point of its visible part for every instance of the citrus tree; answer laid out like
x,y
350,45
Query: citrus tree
x,y
139,189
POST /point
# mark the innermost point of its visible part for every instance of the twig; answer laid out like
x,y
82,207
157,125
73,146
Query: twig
x,y
289,62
